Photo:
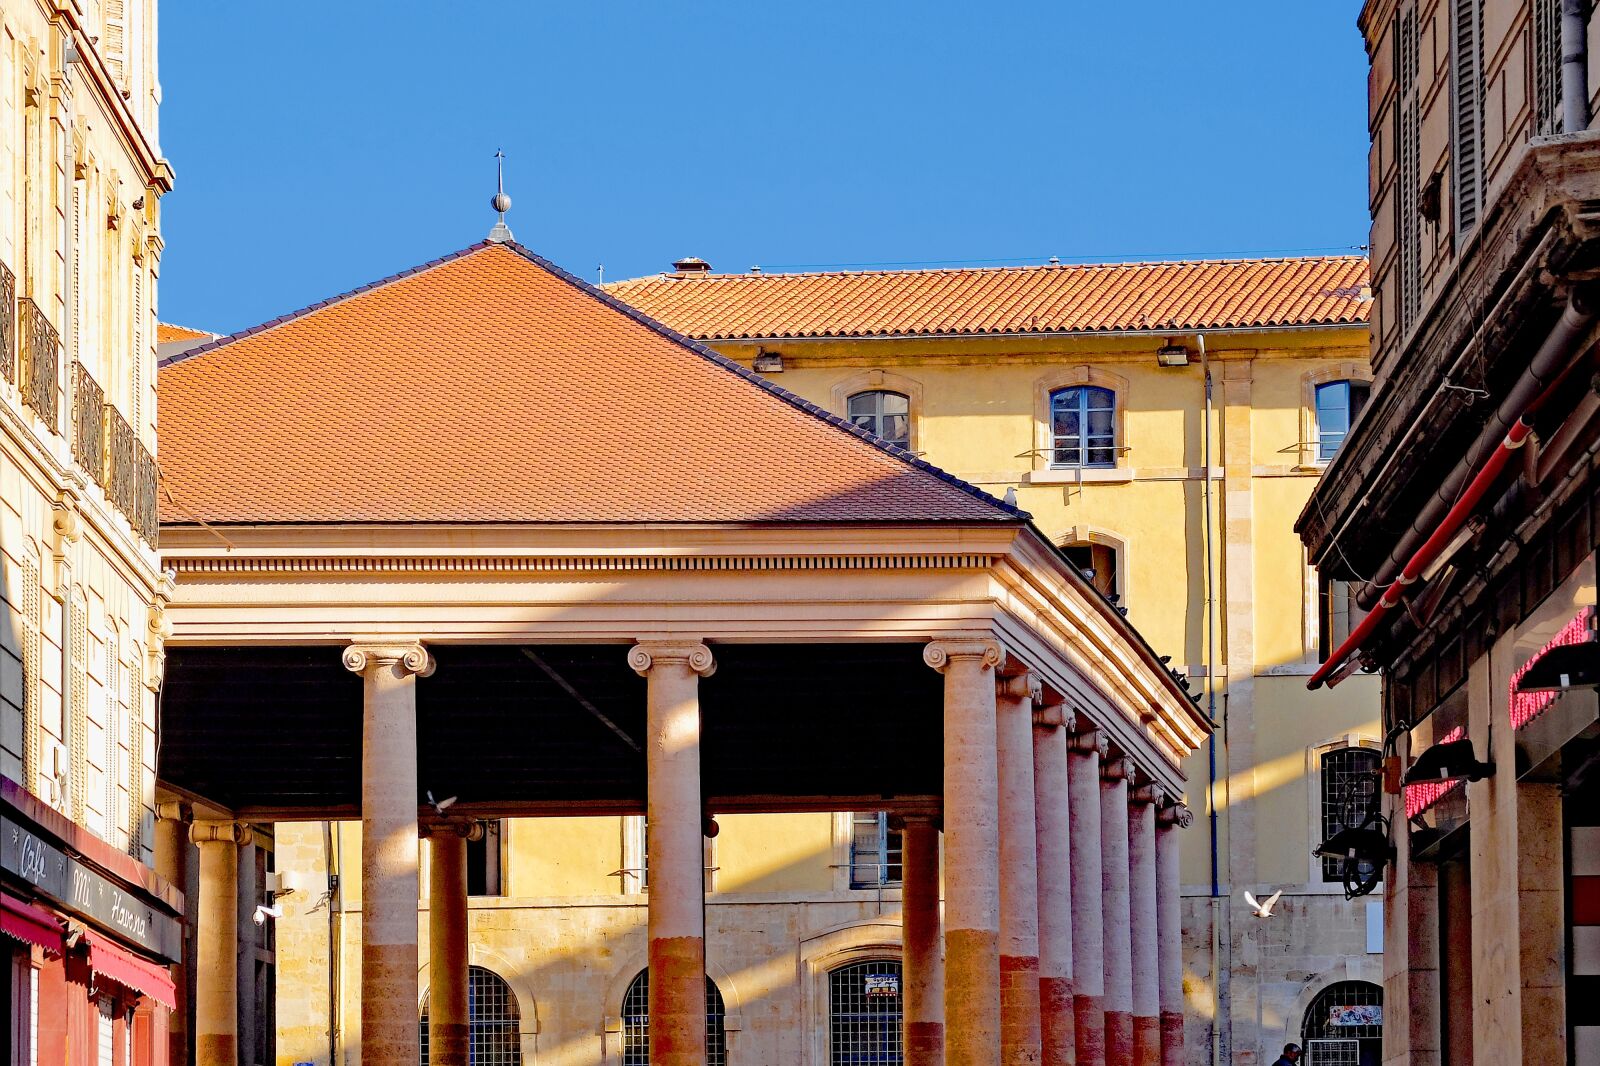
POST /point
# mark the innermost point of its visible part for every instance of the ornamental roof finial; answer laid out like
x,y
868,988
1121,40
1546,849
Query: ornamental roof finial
x,y
500,202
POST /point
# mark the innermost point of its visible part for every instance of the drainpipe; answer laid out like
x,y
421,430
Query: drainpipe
x,y
1574,66
1221,974
1549,362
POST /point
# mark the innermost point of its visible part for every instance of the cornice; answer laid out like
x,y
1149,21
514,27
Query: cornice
x,y
158,172
522,564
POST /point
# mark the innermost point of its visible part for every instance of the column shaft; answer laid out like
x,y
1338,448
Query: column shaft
x,y
923,999
447,948
172,849
1019,887
1141,822
675,847
1169,931
389,854
1115,913
1051,801
1088,936
216,1019
972,851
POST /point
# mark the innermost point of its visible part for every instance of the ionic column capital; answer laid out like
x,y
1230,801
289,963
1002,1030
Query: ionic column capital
x,y
175,811
465,828
1118,769
1054,715
1019,684
1090,741
403,658
939,653
1150,793
648,654
1175,814
238,834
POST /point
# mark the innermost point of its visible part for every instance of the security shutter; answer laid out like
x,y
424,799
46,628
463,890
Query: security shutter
x,y
1466,111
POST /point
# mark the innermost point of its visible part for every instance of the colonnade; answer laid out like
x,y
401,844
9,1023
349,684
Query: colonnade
x,y
1060,940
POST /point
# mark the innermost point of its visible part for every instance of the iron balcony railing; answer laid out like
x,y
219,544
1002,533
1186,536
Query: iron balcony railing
x,y
8,324
123,445
147,519
39,364
88,423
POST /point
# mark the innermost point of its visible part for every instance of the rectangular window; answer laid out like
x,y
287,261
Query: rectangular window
x,y
1466,110
1338,614
875,851
1546,67
484,862
1339,404
1350,786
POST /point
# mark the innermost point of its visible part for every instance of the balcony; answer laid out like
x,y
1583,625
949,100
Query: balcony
x,y
8,324
122,478
147,519
38,365
88,424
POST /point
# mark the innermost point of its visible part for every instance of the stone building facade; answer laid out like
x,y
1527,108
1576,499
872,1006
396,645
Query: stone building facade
x,y
89,927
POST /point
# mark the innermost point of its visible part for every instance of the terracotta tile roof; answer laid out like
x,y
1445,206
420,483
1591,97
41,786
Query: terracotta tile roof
x,y
167,333
1106,297
490,386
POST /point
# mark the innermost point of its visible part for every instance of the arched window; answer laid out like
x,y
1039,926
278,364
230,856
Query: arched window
x,y
636,1024
1349,784
864,1014
1344,1026
1098,562
884,414
1339,403
1083,421
495,1031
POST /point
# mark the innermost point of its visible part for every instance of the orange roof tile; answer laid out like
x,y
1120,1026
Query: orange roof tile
x,y
1097,298
490,386
167,333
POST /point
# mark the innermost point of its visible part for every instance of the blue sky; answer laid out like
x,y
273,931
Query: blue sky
x,y
321,145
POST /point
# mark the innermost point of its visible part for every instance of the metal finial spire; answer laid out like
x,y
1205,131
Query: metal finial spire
x,y
500,202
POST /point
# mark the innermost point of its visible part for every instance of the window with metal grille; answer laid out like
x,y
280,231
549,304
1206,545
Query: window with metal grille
x,y
883,414
1344,1026
1339,404
494,1027
636,1024
1083,426
1349,781
875,850
1098,563
1466,111
1547,66
864,1014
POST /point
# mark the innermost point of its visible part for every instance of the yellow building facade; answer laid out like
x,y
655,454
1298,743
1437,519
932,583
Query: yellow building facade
x,y
794,900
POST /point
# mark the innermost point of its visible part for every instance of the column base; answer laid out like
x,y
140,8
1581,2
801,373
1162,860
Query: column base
x,y
215,1049
388,1003
972,995
1056,1028
1019,1009
1119,1038
448,1042
924,1044
677,1001
1146,1040
1089,1018
1171,1038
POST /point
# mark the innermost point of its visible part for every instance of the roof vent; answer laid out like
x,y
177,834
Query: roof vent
x,y
691,264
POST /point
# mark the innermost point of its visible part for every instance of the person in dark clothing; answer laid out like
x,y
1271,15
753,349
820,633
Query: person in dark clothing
x,y
1290,1056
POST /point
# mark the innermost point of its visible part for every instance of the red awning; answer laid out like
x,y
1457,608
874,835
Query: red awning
x,y
109,959
30,924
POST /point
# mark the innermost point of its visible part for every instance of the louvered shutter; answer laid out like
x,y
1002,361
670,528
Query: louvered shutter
x,y
1408,224
1547,66
1466,117
32,663
78,706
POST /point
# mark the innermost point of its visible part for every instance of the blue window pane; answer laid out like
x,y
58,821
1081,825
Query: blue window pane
x,y
1083,426
1337,404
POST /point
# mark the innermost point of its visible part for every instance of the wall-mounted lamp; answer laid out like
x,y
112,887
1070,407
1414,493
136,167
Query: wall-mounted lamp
x,y
1172,355
1451,761
1563,667
768,362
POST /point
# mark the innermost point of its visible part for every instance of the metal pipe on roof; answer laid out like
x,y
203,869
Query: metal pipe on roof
x,y
1574,66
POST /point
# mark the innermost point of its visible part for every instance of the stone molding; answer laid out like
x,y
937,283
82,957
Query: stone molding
x,y
648,654
1019,683
465,828
1054,715
939,653
1090,741
175,811
1151,794
423,564
1176,815
237,833
405,659
1118,769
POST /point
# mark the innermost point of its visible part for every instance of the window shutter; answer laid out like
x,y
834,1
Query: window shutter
x,y
1466,124
136,793
113,721
78,706
32,663
1408,135
1546,66
115,44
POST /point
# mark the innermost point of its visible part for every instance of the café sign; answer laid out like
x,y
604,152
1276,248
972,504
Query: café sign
x,y
83,891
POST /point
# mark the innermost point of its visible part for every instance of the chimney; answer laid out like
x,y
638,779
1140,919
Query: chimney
x,y
690,264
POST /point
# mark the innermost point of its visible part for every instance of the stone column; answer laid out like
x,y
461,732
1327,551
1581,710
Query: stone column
x,y
1086,749
1053,836
1020,1040
389,800
216,1018
1144,916
675,847
1169,930
448,1030
1115,911
972,850
923,952
172,865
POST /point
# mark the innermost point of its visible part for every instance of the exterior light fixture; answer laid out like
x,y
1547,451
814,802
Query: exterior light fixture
x,y
1451,761
1366,846
1172,355
768,362
1563,667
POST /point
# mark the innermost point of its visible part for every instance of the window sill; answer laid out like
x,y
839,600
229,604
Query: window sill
x,y
1080,475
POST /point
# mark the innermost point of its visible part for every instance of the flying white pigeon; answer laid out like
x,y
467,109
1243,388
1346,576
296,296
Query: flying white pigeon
x,y
1263,909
